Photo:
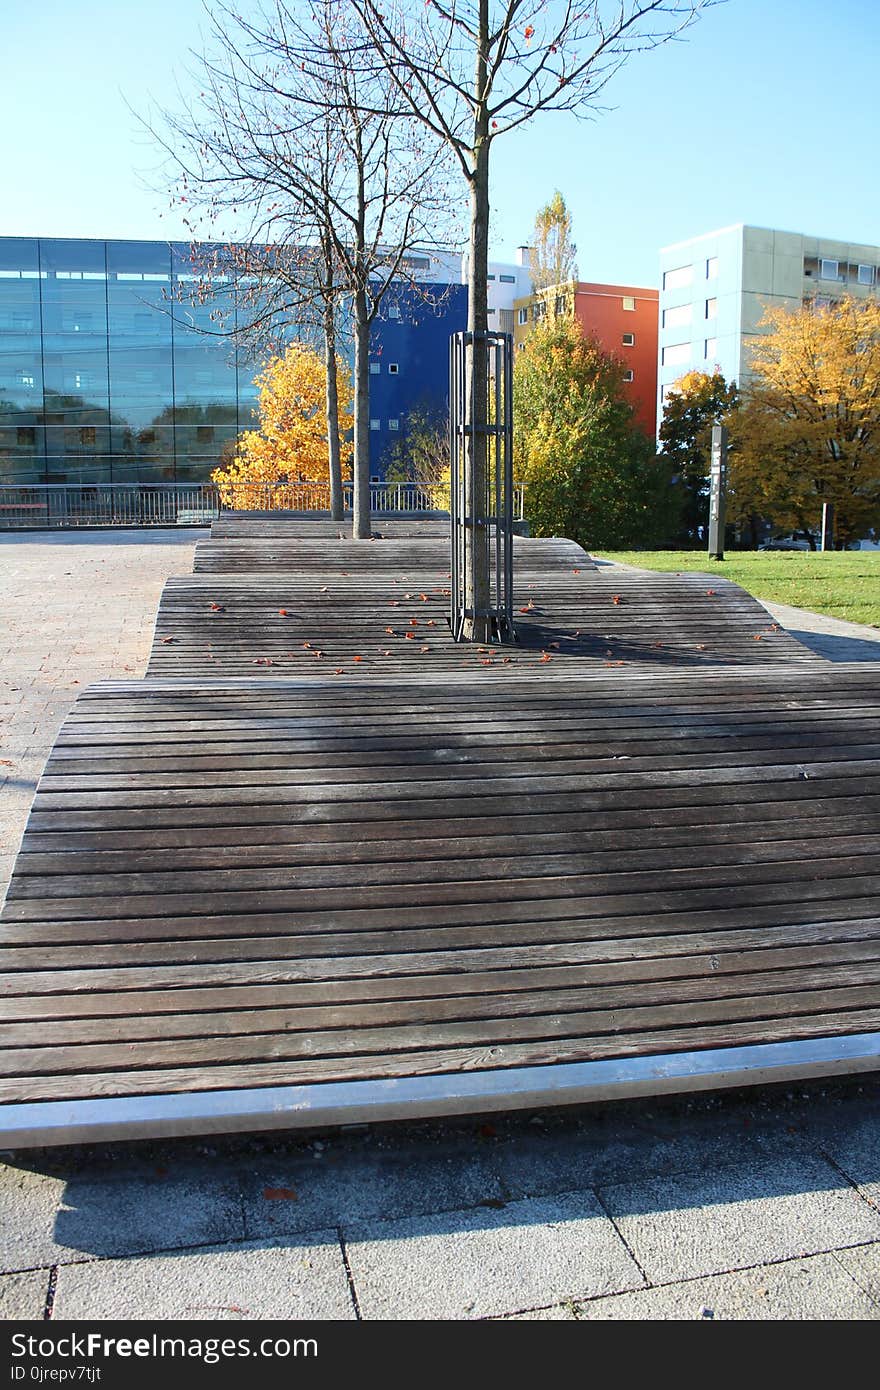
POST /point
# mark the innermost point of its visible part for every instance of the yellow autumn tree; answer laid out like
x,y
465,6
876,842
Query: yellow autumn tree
x,y
289,450
808,428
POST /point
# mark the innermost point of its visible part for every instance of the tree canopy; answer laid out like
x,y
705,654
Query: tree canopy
x,y
290,445
808,430
591,474
696,402
554,254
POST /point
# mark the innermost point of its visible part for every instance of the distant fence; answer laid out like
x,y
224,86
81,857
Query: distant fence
x,y
65,505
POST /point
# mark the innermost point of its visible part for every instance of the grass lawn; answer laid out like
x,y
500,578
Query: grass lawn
x,y
844,584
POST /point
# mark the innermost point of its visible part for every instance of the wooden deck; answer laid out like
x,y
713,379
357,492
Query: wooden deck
x,y
289,898
326,607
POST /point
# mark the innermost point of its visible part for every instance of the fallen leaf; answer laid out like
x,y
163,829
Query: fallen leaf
x,y
545,656
390,630
757,637
357,658
486,661
283,613
217,608
410,636
431,623
324,590
307,645
424,598
710,593
615,598
339,671
319,655
575,571
166,640
280,1194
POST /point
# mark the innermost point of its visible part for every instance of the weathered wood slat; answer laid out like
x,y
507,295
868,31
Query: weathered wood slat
x,y
253,877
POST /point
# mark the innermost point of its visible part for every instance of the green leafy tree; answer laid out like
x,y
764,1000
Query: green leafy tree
x,y
590,473
697,401
553,253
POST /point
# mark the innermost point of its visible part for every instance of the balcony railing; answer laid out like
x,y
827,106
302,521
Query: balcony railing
x,y
63,505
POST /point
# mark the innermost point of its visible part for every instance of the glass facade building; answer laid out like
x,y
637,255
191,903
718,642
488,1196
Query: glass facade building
x,y
110,370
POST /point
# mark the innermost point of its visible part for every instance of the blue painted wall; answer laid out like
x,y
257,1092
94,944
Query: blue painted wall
x,y
417,344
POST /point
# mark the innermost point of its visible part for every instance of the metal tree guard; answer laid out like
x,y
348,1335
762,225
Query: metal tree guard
x,y
481,508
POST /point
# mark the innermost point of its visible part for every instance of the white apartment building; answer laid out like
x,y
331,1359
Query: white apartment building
x,y
714,290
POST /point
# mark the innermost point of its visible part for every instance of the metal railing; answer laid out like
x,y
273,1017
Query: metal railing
x,y
106,504
39,506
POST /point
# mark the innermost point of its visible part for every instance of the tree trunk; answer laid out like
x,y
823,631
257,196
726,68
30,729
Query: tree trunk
x,y
476,555
336,506
362,526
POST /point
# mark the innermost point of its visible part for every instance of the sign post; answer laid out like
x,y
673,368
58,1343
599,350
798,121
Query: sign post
x,y
717,492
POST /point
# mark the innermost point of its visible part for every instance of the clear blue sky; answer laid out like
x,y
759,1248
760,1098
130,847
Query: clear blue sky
x,y
765,114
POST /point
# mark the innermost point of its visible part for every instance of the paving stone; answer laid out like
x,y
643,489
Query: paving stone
x,y
256,1281
23,1296
49,1219
691,1224
484,1262
333,1190
855,1147
798,1290
863,1263
560,1312
596,1154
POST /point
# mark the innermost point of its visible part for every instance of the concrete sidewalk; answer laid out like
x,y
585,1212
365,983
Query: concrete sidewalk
x,y
763,1204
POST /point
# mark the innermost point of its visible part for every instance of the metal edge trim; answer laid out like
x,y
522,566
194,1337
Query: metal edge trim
x,y
328,1104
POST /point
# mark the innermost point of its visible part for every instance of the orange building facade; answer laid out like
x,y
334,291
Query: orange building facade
x,y
623,320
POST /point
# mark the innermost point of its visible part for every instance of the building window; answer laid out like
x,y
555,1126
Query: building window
x,y
678,317
866,275
417,262
559,307
26,379
629,340
394,312
394,424
710,349
629,302
375,425
711,308
81,380
393,368
828,270
490,311
507,279
628,374
712,268
375,368
26,434
87,435
539,309
490,277
678,278
676,355
205,434
523,316
374,478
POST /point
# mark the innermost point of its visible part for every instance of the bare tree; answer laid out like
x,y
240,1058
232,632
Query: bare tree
x,y
475,70
327,179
